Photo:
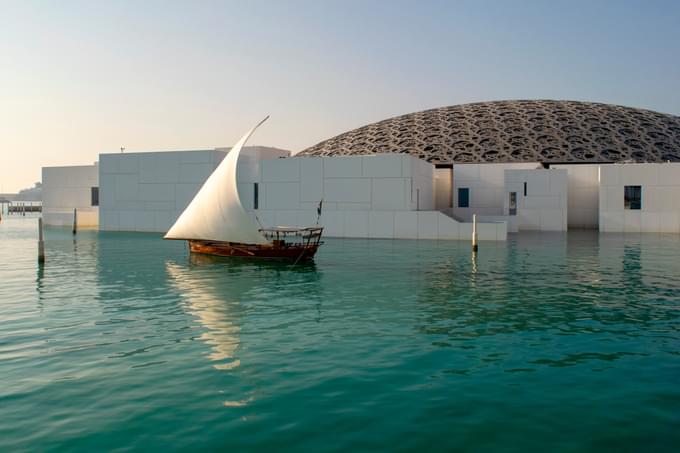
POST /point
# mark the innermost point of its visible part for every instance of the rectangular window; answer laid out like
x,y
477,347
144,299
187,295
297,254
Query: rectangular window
x,y
256,196
463,197
94,196
632,197
525,189
512,206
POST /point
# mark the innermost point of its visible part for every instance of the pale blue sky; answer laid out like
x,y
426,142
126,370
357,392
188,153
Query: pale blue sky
x,y
82,77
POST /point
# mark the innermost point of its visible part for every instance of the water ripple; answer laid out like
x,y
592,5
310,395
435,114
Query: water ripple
x,y
554,342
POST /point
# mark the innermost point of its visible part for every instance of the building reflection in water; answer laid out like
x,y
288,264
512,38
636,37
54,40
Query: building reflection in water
x,y
208,300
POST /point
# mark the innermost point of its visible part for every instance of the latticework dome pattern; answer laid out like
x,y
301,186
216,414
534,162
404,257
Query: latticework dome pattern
x,y
517,131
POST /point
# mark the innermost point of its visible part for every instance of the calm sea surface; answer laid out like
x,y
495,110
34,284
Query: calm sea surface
x,y
543,343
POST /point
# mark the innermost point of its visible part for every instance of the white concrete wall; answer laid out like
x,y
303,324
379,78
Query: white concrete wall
x,y
583,196
148,191
660,211
487,187
375,196
67,188
347,183
544,207
381,196
386,224
513,226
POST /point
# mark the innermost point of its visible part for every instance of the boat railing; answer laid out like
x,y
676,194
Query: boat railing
x,y
308,236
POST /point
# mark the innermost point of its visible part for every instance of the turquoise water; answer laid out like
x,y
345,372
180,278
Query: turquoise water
x,y
543,343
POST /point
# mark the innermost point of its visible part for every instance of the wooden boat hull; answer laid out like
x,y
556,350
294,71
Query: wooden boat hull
x,y
290,252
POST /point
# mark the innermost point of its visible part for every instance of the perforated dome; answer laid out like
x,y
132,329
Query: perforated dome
x,y
517,131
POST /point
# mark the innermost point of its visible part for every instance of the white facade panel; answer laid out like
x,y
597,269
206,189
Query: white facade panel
x,y
194,173
184,193
333,223
281,195
356,224
385,196
486,184
281,170
163,220
428,224
148,191
422,183
381,166
286,218
381,224
157,192
353,206
669,222
660,198
311,179
610,175
544,207
145,221
347,190
388,194
448,229
342,167
67,188
126,188
406,224
154,168
111,219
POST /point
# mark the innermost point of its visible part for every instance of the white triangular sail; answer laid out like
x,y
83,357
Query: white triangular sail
x,y
216,212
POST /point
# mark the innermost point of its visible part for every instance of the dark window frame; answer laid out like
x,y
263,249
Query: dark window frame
x,y
256,195
94,196
512,203
466,198
632,198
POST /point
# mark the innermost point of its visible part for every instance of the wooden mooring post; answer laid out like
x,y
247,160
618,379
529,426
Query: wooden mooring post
x,y
41,242
75,220
474,233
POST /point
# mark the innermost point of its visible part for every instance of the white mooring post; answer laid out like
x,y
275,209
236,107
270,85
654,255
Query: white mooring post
x,y
75,220
41,242
474,232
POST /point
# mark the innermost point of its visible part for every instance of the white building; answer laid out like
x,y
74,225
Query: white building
x,y
640,198
65,189
525,195
377,196
148,191
523,165
373,196
389,196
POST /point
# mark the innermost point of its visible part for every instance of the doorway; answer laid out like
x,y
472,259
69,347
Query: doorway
x,y
512,204
443,187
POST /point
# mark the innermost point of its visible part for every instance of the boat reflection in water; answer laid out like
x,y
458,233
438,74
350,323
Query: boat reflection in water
x,y
206,297
212,288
